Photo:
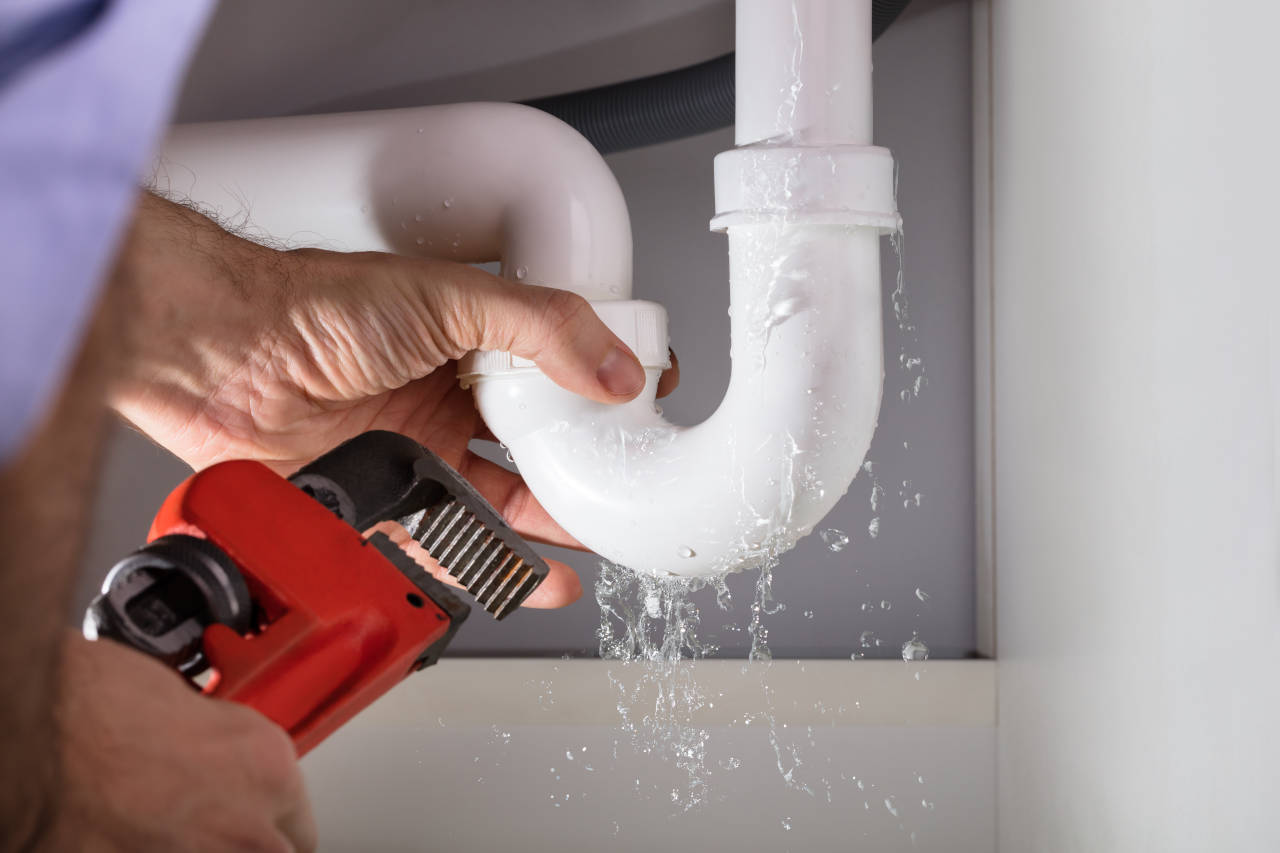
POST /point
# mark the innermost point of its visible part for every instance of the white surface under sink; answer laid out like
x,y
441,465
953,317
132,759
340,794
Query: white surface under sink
x,y
471,756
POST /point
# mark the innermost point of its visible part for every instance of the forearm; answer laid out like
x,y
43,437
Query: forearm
x,y
44,502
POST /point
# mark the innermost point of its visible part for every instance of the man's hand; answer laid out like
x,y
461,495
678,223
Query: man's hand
x,y
240,351
148,764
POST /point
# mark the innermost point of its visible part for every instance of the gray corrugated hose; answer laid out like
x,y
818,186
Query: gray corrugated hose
x,y
667,106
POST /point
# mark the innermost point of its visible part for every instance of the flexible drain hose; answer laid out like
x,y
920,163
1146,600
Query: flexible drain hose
x,y
667,106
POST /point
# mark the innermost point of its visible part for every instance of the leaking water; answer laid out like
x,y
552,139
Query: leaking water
x,y
915,649
658,637
836,539
651,625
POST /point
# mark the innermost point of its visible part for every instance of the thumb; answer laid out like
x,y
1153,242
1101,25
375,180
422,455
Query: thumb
x,y
555,329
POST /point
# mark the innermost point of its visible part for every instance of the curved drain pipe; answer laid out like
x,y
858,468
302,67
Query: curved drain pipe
x,y
804,199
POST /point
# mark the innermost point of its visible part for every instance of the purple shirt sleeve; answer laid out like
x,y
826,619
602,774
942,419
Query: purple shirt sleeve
x,y
80,114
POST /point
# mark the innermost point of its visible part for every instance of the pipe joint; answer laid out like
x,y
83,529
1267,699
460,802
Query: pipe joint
x,y
851,185
641,325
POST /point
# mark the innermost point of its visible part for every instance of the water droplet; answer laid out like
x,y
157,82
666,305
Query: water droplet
x,y
686,552
890,805
568,754
836,539
921,594
873,529
867,639
364,208
928,805
447,203
786,823
886,605
521,272
653,604
420,240
510,458
808,614
417,217
920,778
906,445
915,649
421,129
785,308
916,498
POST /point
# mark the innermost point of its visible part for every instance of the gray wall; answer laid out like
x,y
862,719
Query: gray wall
x,y
922,113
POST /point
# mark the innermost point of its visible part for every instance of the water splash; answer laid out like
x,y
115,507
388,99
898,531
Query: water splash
x,y
836,540
651,624
764,605
915,649
911,365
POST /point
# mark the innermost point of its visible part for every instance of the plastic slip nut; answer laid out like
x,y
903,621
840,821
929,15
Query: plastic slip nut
x,y
641,325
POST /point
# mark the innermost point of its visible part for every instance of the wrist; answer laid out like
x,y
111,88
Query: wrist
x,y
193,302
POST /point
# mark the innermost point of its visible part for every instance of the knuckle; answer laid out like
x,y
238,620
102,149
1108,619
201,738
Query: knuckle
x,y
515,505
451,319
563,308
266,842
562,312
271,758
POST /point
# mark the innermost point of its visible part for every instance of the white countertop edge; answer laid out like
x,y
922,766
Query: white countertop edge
x,y
486,692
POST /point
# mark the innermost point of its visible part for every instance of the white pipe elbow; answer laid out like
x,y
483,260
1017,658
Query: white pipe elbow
x,y
777,454
466,182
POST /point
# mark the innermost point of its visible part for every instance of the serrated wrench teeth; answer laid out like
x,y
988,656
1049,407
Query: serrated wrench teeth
x,y
474,555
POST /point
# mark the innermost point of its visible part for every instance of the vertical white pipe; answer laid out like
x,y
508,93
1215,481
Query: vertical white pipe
x,y
803,72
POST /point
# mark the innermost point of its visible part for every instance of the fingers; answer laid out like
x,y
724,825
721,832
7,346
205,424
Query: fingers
x,y
272,760
560,587
483,433
555,329
670,377
299,826
515,503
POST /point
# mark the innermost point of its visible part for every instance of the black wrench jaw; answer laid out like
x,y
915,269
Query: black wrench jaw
x,y
384,476
370,478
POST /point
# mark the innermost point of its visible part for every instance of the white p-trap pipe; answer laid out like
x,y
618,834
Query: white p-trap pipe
x,y
804,200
